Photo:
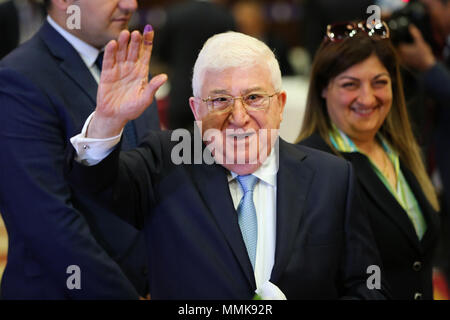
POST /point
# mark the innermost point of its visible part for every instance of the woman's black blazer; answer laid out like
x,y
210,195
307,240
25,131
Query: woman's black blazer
x,y
407,261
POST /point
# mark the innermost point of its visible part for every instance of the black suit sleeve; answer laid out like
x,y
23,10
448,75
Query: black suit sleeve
x,y
124,179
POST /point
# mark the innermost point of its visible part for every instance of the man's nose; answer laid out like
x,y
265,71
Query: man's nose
x,y
239,115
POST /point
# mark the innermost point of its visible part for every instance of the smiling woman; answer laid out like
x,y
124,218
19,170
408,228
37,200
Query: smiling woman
x,y
360,98
356,110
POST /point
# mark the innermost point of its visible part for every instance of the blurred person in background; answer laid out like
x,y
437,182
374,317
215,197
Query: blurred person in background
x,y
356,110
19,21
250,19
320,13
48,86
431,65
200,20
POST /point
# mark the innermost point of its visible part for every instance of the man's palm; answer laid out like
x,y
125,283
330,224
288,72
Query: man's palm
x,y
124,91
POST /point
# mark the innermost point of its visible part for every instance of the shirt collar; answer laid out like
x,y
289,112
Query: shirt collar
x,y
267,172
87,52
343,143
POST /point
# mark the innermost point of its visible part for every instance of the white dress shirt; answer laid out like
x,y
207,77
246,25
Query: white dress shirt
x,y
265,200
87,52
92,151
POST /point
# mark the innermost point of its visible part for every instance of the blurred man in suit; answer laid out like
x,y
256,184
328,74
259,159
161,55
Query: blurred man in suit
x,y
48,86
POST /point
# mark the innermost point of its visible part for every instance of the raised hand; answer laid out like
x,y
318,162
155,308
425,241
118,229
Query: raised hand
x,y
124,91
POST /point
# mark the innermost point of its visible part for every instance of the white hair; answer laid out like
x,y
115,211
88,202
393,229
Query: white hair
x,y
233,49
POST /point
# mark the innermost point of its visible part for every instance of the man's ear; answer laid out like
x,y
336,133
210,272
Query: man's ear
x,y
194,104
282,98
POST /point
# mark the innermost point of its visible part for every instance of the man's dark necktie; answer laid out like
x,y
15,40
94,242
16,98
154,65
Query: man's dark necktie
x,y
129,132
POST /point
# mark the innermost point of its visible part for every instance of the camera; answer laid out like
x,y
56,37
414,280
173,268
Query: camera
x,y
415,12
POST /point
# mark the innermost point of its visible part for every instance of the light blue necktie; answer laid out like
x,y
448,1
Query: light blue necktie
x,y
247,215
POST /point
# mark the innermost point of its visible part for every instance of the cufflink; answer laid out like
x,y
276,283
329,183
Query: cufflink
x,y
85,146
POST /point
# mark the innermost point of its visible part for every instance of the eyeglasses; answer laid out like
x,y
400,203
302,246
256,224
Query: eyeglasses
x,y
251,102
339,31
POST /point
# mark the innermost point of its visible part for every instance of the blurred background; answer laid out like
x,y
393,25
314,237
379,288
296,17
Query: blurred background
x,y
292,28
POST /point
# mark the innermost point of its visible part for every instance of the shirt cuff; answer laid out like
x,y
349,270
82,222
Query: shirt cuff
x,y
92,151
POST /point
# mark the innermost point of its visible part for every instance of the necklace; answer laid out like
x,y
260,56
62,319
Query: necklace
x,y
386,171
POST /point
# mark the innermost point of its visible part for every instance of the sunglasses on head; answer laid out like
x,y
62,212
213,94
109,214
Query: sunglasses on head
x,y
339,31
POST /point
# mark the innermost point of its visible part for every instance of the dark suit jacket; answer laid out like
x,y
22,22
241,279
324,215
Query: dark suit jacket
x,y
407,261
46,93
195,247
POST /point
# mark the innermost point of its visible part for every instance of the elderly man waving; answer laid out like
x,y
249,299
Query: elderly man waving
x,y
261,218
